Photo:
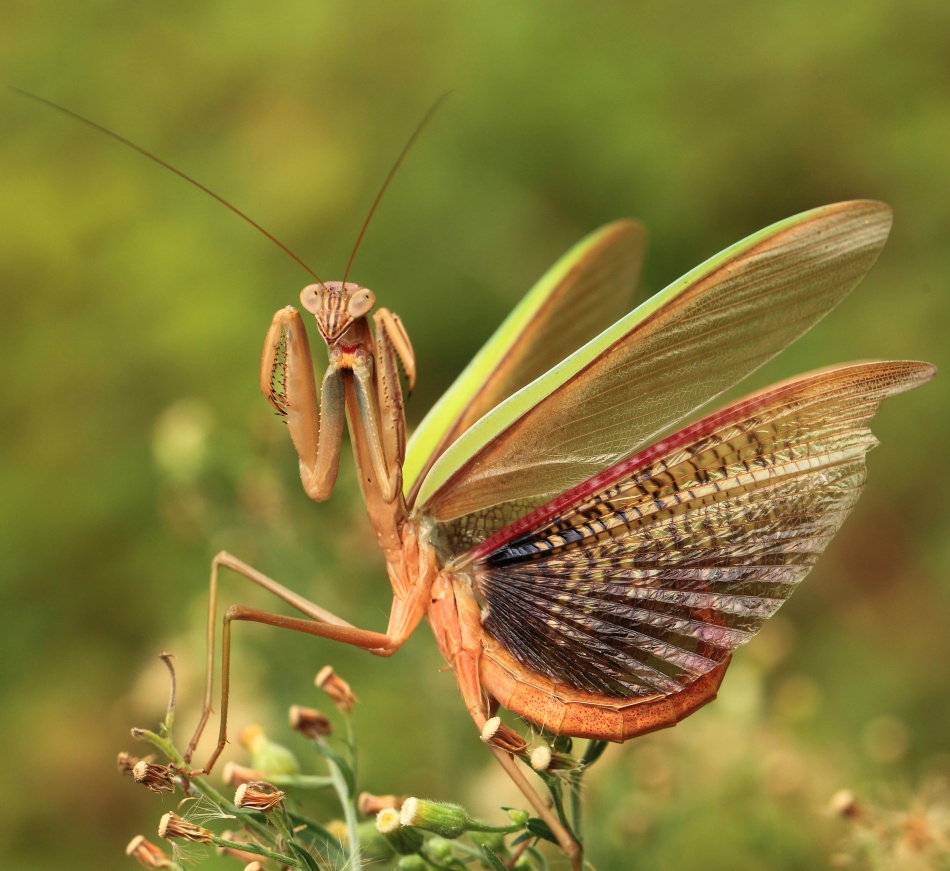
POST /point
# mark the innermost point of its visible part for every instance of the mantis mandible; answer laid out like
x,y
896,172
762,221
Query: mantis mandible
x,y
575,570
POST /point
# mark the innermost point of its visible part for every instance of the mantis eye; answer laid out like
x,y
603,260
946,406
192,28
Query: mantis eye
x,y
361,302
310,298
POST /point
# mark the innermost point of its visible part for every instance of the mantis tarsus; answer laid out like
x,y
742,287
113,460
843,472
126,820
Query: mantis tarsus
x,y
574,570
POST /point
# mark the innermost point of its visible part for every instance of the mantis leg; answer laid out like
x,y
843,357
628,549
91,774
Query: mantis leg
x,y
392,347
477,702
379,403
321,623
389,325
288,382
454,615
388,474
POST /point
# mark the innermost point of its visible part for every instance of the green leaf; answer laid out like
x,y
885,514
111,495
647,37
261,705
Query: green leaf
x,y
493,860
341,764
304,856
594,750
538,828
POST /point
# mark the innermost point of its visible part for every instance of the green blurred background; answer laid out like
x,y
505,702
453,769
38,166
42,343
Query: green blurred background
x,y
136,444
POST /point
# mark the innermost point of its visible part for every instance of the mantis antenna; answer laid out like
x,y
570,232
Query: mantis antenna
x,y
402,156
128,143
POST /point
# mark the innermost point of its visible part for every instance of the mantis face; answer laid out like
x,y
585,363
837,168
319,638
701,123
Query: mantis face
x,y
339,308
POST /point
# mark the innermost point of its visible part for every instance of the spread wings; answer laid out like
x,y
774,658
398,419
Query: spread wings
x,y
654,366
647,576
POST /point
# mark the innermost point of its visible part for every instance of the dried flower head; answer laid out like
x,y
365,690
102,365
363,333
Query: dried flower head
x,y
497,734
258,795
370,805
254,866
147,854
543,758
157,778
336,688
173,826
234,774
309,722
909,832
844,804
125,762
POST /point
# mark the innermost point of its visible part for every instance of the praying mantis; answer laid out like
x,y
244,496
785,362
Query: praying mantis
x,y
580,566
583,576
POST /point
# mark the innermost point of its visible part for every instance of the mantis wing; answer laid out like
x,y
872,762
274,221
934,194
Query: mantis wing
x,y
585,291
648,576
666,358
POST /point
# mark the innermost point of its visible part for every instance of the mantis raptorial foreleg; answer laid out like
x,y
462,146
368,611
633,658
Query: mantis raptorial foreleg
x,y
380,404
321,623
388,475
392,347
288,382
390,326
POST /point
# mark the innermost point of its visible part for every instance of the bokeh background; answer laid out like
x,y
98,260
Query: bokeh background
x,y
135,443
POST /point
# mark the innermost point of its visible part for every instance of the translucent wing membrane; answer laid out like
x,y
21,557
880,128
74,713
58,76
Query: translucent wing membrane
x,y
646,577
666,358
584,292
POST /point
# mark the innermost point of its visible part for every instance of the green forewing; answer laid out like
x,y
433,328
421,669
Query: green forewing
x,y
586,290
687,344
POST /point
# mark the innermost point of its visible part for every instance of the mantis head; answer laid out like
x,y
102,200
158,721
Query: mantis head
x,y
336,305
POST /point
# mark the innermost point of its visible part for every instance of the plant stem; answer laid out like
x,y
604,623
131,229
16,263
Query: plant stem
x,y
257,850
349,810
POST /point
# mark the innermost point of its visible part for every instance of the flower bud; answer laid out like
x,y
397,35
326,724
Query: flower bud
x,y
266,755
309,722
495,841
173,826
447,820
405,840
336,688
439,850
157,778
412,863
147,854
518,816
339,830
